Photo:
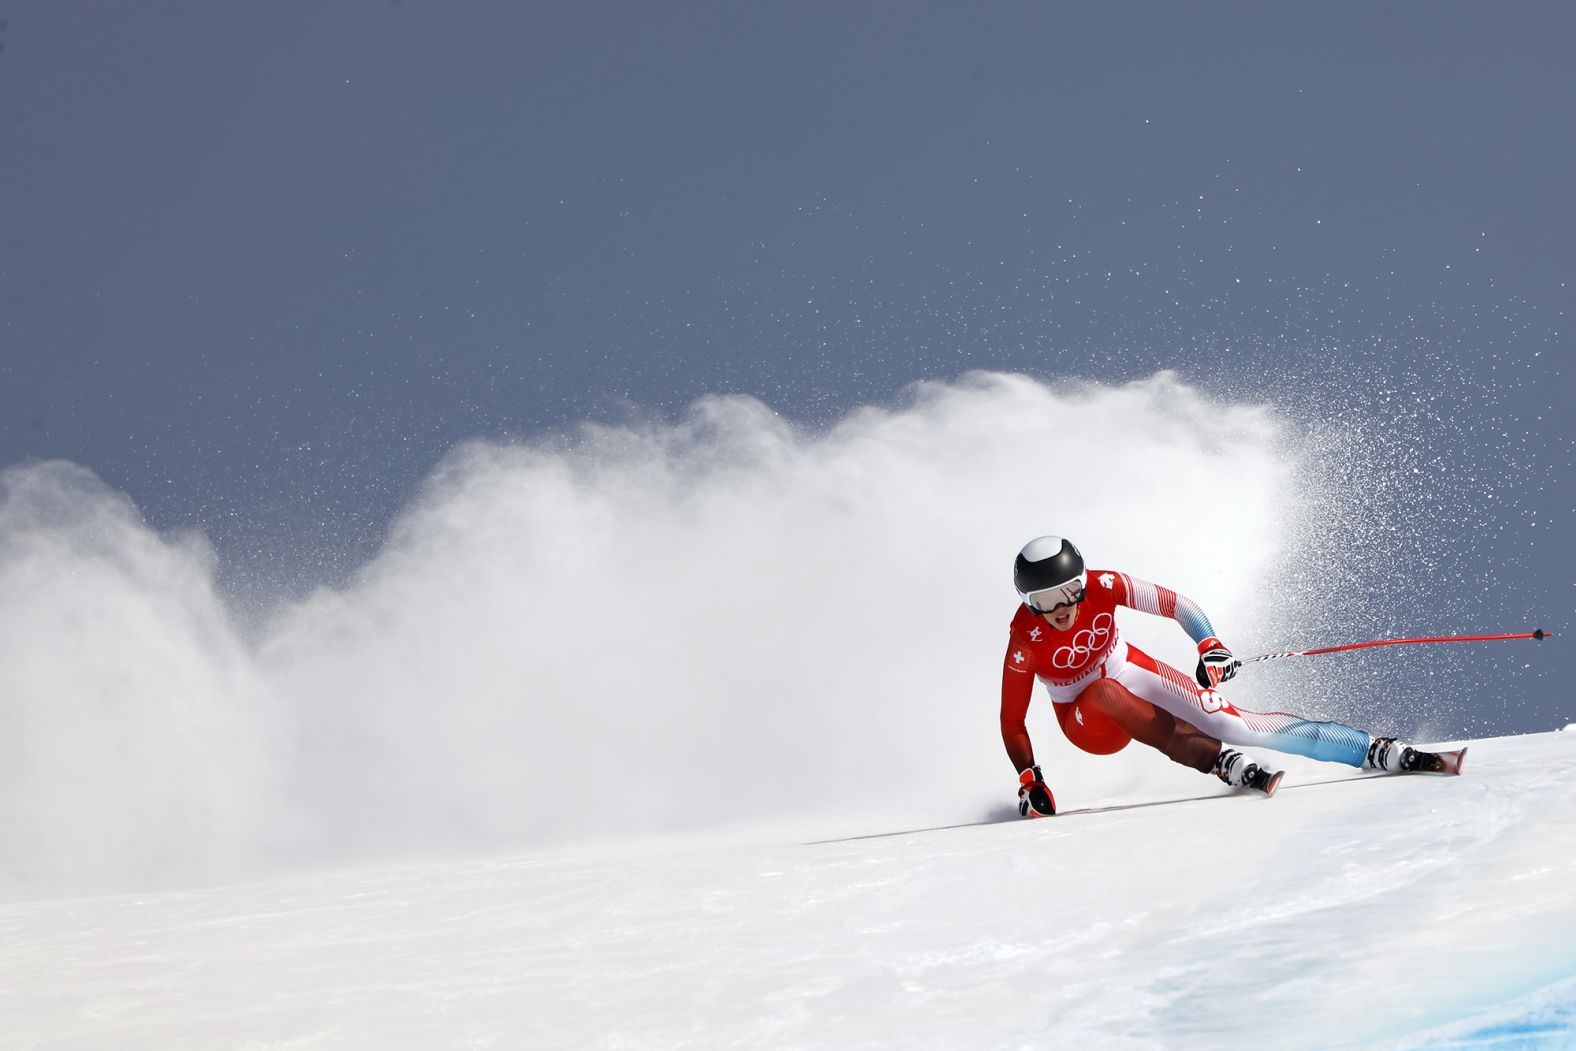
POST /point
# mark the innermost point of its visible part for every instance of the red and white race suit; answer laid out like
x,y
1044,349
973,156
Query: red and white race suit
x,y
1069,662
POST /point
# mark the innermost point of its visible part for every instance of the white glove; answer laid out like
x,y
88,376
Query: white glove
x,y
1215,664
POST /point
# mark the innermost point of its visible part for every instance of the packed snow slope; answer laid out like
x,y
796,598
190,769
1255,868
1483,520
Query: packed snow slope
x,y
1386,912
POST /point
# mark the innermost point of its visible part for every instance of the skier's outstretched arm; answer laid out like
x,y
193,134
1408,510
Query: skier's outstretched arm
x,y
1216,663
1145,597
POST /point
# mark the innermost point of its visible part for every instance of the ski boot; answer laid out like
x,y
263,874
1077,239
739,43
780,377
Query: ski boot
x,y
1238,771
1394,757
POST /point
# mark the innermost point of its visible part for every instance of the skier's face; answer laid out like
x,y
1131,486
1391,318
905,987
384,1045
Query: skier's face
x,y
1062,617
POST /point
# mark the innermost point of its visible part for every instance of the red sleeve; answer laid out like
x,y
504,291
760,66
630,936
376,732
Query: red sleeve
x,y
1017,687
1145,597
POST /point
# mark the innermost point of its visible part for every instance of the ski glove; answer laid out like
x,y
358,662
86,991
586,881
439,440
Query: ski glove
x,y
1215,664
1034,799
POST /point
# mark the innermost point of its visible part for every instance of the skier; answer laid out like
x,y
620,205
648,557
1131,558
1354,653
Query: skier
x,y
1107,692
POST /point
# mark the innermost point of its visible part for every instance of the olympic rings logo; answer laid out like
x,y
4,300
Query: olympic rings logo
x,y
1089,641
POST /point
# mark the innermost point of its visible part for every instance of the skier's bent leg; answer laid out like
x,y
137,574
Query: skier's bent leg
x,y
1170,689
1180,741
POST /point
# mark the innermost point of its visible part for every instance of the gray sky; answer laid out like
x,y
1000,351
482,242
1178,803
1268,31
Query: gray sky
x,y
263,264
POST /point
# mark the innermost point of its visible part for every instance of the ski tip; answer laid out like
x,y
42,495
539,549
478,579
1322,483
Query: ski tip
x,y
1447,762
1269,789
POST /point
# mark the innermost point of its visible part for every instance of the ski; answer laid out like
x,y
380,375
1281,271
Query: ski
x,y
1428,762
1438,762
1265,781
1009,817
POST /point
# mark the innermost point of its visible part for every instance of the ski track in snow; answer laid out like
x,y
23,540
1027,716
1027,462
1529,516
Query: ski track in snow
x,y
1400,912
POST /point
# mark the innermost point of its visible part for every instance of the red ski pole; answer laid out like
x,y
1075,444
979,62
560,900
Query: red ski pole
x,y
1538,634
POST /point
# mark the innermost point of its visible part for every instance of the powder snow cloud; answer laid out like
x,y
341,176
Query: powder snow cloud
x,y
653,626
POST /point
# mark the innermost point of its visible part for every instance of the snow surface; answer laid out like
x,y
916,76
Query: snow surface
x,y
1397,912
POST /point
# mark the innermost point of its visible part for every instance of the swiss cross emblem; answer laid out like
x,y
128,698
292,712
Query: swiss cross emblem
x,y
1017,657
1106,580
1034,636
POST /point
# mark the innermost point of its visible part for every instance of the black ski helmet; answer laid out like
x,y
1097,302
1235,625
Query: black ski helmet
x,y
1045,562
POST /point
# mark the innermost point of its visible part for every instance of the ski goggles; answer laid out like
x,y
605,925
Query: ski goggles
x,y
1049,600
